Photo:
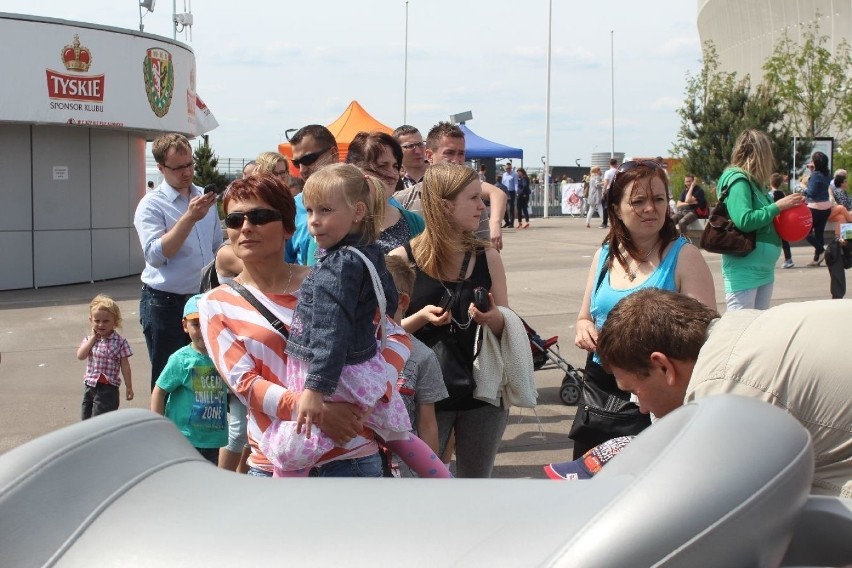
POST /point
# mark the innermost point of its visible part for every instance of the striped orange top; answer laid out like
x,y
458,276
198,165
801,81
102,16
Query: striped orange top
x,y
249,355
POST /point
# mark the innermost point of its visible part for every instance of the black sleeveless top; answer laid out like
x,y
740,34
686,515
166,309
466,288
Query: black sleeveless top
x,y
429,291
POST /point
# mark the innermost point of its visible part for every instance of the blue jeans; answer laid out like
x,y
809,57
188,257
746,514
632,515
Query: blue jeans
x,y
161,315
369,466
257,472
752,299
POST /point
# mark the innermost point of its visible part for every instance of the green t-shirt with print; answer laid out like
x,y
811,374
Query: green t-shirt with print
x,y
198,398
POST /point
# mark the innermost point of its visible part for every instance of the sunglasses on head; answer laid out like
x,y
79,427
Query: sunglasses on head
x,y
236,219
309,159
632,165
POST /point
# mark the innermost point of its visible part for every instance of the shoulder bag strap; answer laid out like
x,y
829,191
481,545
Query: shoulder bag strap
x,y
601,275
378,289
264,311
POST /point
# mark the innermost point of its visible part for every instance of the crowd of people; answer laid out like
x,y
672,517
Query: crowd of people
x,y
341,338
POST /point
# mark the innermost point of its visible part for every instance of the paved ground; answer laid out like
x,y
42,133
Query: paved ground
x,y
547,266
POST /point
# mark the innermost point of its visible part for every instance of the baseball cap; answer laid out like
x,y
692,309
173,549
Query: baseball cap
x,y
592,461
190,310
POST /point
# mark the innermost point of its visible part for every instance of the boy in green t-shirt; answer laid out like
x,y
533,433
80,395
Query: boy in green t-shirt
x,y
197,396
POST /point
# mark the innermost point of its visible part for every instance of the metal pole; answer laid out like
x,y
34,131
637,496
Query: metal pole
x,y
612,93
547,115
174,19
795,171
405,87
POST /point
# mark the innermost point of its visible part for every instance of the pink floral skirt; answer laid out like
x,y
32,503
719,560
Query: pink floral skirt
x,y
370,385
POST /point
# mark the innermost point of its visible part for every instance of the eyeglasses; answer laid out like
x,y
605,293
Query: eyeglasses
x,y
179,168
632,165
309,159
412,145
236,219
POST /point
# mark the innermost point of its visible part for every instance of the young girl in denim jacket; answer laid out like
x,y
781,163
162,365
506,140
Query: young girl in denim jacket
x,y
332,349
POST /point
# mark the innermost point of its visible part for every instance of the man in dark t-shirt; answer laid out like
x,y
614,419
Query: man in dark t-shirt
x,y
692,204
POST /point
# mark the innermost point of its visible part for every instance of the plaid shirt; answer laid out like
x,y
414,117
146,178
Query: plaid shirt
x,y
105,359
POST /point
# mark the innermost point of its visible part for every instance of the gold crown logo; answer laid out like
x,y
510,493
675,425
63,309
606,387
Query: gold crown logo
x,y
76,57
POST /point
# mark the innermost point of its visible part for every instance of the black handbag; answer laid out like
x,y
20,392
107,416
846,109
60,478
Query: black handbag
x,y
456,363
604,411
722,236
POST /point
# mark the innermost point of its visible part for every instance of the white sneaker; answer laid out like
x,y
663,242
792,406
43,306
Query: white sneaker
x,y
788,263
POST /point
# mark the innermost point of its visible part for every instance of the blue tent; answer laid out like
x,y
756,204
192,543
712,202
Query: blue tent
x,y
476,147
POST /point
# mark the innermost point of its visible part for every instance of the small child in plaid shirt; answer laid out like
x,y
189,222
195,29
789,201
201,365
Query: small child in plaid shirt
x,y
106,353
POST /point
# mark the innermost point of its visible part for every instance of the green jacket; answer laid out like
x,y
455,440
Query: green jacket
x,y
750,210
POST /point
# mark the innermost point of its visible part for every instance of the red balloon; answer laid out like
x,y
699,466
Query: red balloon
x,y
794,224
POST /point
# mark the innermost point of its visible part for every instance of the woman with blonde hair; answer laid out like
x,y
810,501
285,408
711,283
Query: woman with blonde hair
x,y
450,262
594,198
749,279
277,165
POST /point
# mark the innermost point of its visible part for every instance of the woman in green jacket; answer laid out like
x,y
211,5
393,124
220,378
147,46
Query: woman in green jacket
x,y
749,279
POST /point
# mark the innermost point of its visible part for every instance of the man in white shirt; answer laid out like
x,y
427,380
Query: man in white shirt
x,y
179,230
510,180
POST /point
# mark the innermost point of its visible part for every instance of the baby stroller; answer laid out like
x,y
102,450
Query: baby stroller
x,y
546,355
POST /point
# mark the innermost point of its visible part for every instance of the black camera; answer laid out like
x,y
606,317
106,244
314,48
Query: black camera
x,y
480,299
213,189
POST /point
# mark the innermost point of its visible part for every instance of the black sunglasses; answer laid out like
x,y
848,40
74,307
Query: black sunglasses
x,y
309,159
632,165
236,219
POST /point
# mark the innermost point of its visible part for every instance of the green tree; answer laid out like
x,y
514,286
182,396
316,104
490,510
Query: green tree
x,y
812,84
717,107
206,170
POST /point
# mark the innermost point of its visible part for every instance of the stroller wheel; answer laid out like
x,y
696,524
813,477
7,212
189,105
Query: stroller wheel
x,y
569,393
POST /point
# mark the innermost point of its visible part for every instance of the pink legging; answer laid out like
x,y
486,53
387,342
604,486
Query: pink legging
x,y
414,452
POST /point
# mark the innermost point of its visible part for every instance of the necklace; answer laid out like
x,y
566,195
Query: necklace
x,y
289,280
461,325
631,274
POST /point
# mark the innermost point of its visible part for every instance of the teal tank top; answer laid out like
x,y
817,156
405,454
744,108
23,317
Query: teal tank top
x,y
606,297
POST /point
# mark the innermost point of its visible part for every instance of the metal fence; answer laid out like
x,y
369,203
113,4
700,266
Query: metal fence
x,y
554,205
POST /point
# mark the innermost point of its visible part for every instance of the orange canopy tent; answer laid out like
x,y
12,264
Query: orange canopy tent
x,y
353,120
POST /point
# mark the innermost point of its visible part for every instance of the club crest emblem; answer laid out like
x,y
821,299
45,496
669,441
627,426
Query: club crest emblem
x,y
159,74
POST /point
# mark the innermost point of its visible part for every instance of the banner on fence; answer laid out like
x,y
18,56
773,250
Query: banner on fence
x,y
572,199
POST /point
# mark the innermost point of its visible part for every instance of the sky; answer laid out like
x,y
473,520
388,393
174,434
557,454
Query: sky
x,y
264,67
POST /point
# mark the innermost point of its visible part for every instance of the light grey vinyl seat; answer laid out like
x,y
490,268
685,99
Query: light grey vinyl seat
x,y
720,482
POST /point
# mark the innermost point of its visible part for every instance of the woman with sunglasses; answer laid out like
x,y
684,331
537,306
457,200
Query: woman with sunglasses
x,y
641,250
749,279
248,351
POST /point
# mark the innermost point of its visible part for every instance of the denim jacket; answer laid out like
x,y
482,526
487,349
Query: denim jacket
x,y
817,188
334,323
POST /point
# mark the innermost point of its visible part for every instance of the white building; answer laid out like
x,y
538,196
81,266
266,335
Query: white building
x,y
79,102
745,32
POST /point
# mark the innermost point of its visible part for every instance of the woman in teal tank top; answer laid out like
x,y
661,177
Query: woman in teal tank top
x,y
642,250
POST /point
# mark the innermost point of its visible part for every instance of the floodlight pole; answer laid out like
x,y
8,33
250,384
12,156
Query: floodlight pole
x,y
405,83
547,115
612,92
